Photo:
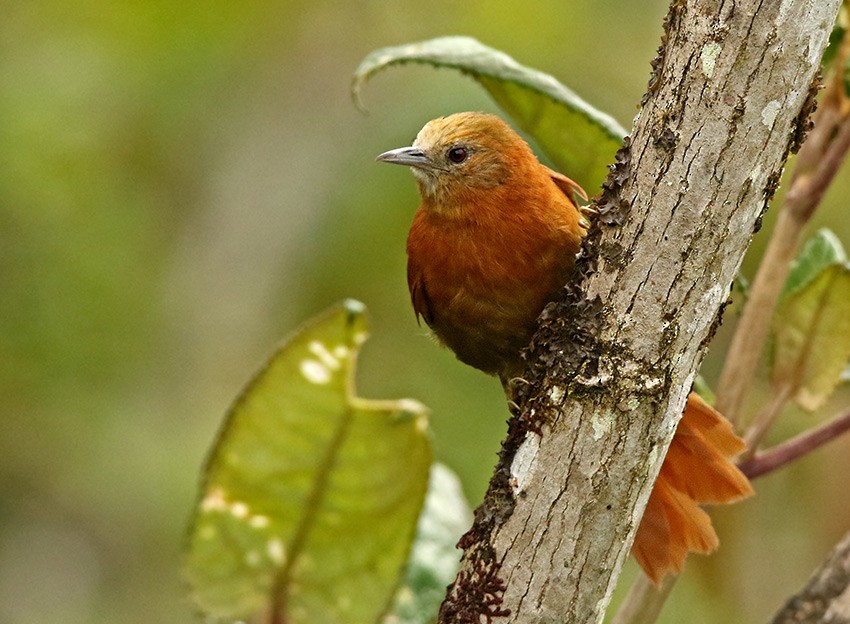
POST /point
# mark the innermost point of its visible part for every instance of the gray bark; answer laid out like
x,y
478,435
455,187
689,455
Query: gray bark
x,y
826,597
612,364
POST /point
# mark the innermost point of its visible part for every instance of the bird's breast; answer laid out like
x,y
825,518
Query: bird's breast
x,y
486,286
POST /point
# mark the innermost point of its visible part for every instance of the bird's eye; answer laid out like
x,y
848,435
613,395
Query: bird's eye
x,y
458,154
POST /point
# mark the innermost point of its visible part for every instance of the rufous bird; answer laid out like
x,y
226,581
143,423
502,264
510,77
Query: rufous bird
x,y
495,240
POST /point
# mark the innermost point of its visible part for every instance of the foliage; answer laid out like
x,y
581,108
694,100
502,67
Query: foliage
x,y
812,323
434,558
181,183
577,137
292,492
836,39
821,251
237,570
311,494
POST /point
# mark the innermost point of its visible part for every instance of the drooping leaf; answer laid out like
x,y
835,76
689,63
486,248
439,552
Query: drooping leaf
x,y
820,251
812,336
310,495
580,140
434,559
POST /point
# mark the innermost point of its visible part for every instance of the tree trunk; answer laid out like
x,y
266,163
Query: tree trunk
x,y
612,363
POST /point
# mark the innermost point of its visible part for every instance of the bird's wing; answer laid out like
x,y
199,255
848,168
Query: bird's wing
x,y
419,293
565,184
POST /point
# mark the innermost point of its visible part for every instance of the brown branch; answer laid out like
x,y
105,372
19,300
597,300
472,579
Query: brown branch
x,y
611,366
826,597
774,458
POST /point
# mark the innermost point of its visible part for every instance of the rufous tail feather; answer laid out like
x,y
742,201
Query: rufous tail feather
x,y
697,469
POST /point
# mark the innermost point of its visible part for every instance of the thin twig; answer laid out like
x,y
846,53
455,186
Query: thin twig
x,y
643,603
782,454
765,419
754,325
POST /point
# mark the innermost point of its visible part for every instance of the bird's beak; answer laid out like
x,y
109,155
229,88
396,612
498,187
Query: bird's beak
x,y
410,156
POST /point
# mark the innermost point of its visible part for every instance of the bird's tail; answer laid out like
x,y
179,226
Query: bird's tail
x,y
696,470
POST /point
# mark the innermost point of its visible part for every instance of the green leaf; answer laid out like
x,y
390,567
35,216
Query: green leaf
x,y
820,251
741,285
702,388
812,336
310,495
580,140
835,39
434,559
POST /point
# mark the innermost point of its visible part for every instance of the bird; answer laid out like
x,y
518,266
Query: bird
x,y
493,242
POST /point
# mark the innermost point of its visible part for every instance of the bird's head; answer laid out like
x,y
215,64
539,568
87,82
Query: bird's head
x,y
456,158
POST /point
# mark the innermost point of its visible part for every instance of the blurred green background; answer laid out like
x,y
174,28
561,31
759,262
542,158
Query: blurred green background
x,y
181,184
